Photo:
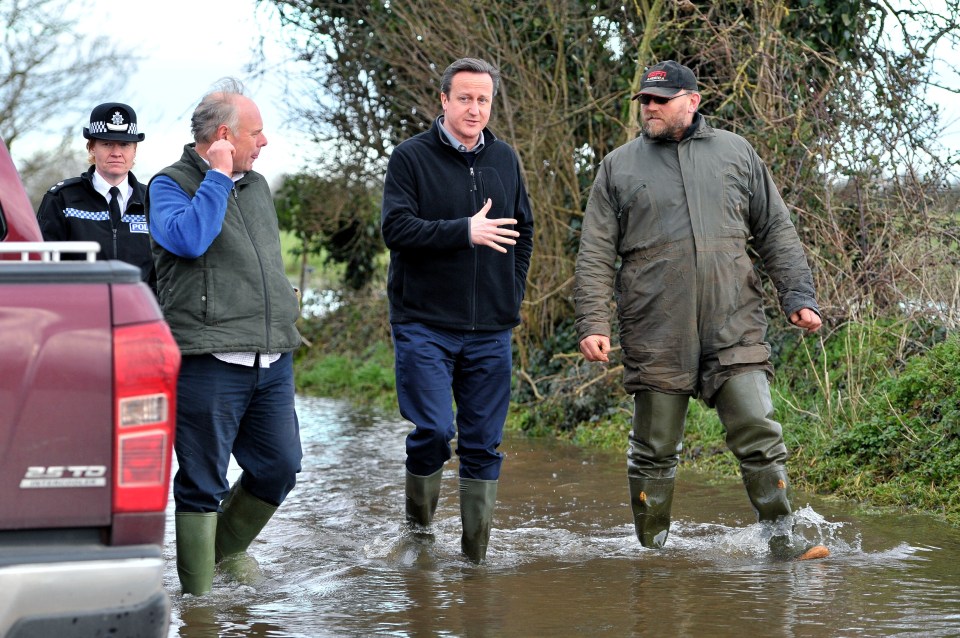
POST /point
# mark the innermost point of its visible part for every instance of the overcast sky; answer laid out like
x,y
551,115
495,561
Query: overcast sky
x,y
186,46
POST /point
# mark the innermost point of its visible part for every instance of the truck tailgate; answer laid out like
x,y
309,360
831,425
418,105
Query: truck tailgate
x,y
56,408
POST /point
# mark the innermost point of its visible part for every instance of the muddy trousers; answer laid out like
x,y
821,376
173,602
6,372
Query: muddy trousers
x,y
745,410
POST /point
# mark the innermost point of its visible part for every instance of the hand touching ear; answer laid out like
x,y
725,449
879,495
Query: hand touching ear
x,y
220,155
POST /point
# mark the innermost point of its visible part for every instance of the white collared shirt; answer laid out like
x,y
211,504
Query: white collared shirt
x,y
103,188
248,359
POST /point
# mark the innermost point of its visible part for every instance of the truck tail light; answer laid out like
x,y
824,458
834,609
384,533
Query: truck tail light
x,y
146,362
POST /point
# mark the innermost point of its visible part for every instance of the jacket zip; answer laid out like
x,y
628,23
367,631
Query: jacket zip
x,y
476,253
263,275
629,201
740,183
736,180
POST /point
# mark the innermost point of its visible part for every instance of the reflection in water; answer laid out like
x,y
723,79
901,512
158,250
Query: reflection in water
x,y
563,560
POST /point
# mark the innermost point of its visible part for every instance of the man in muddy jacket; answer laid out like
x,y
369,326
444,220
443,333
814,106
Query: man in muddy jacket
x,y
678,207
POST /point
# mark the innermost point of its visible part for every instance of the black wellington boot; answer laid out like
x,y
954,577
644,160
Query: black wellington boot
x,y
745,408
767,490
653,452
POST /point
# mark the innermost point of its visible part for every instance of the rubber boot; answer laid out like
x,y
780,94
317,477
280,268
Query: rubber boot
x,y
650,500
422,496
756,439
241,518
477,499
746,412
196,533
652,456
767,490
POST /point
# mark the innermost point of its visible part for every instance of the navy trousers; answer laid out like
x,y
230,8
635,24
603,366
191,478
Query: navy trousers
x,y
453,383
224,409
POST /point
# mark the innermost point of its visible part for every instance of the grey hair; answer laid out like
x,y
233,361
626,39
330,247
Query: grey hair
x,y
217,107
473,65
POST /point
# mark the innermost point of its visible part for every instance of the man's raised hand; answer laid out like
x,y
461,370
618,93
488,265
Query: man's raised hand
x,y
490,232
220,155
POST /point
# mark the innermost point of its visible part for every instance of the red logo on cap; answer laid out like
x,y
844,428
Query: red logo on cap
x,y
656,76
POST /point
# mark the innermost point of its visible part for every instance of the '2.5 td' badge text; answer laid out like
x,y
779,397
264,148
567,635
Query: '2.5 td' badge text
x,y
39,476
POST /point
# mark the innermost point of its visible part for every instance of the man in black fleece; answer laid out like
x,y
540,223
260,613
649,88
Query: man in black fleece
x,y
459,227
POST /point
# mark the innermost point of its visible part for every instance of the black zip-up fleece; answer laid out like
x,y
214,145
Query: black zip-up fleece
x,y
436,276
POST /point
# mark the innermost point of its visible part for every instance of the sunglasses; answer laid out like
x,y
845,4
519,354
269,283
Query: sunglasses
x,y
646,99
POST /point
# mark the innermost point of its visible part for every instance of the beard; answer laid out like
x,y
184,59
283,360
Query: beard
x,y
663,131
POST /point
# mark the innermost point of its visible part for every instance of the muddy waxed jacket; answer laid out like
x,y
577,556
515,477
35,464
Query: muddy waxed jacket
x,y
666,233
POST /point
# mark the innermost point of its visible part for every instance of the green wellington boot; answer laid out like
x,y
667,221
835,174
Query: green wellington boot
x,y
746,411
196,533
422,496
767,490
242,517
477,499
651,500
655,442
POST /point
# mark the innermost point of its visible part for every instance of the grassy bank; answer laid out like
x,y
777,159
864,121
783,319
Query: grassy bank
x,y
871,411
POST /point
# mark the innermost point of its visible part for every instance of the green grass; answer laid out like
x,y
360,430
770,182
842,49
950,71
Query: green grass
x,y
290,246
369,379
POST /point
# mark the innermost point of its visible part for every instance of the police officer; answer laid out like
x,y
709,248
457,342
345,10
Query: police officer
x,y
104,204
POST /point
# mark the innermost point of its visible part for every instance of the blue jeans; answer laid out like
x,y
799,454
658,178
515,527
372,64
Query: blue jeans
x,y
436,368
224,409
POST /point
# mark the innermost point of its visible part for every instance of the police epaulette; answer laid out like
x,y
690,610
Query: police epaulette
x,y
64,182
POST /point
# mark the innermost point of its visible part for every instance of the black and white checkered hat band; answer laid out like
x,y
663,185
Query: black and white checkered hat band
x,y
101,127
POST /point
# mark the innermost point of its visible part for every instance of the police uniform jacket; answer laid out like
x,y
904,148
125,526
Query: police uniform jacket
x,y
73,210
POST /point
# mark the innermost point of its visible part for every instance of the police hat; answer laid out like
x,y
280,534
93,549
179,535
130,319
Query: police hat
x,y
113,121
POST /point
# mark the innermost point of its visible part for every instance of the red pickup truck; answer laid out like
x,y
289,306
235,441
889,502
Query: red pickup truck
x,y
88,373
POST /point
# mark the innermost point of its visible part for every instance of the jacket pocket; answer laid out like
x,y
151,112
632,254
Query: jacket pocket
x,y
738,355
207,298
736,204
639,219
490,187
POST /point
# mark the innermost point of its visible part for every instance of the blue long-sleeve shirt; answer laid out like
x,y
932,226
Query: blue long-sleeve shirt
x,y
184,226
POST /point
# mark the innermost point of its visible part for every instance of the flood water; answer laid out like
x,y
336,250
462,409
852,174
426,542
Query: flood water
x,y
563,559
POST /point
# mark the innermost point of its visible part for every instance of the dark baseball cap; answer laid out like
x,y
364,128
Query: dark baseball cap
x,y
666,79
113,121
